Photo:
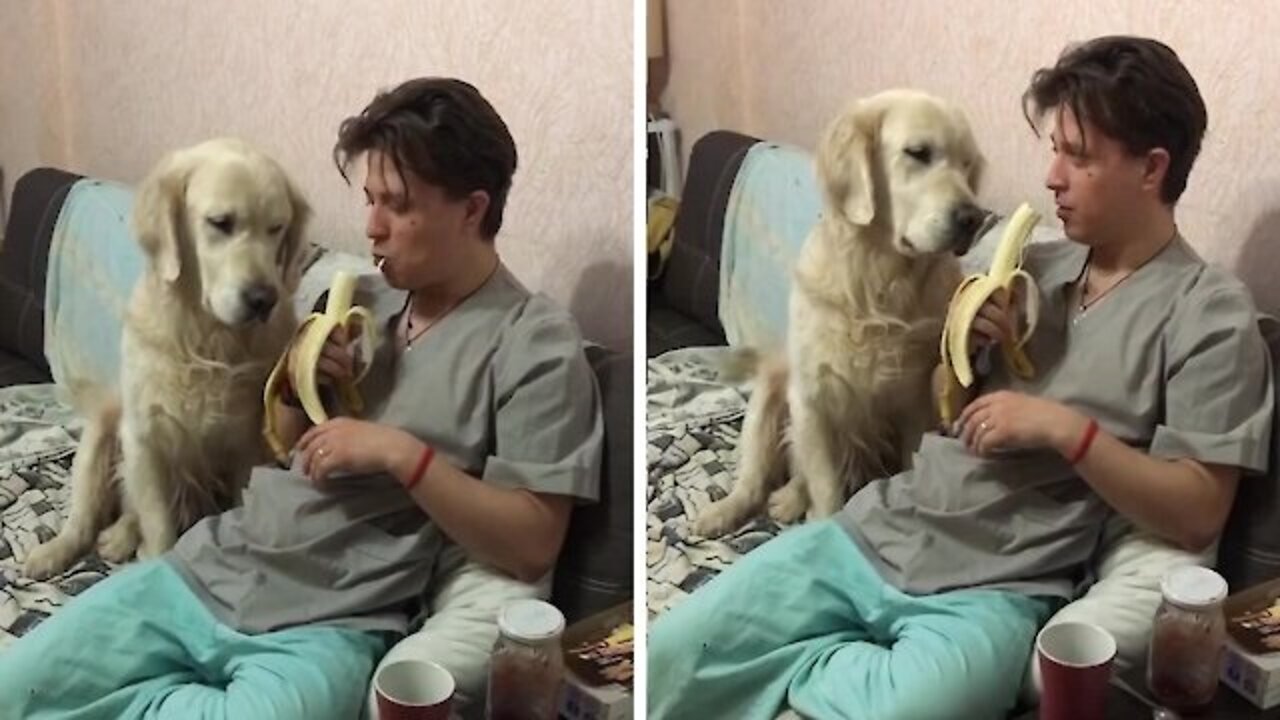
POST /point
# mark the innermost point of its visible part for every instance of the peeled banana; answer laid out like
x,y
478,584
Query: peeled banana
x,y
304,353
1005,272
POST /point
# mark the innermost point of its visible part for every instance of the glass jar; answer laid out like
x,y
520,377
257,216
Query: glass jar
x,y
527,667
1188,639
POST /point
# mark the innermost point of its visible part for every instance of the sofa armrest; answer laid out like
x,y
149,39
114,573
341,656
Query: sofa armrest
x,y
1249,552
594,571
690,282
24,258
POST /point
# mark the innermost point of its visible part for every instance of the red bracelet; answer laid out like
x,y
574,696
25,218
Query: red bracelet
x,y
1089,432
427,454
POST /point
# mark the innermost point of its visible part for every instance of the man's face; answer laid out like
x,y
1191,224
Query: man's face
x,y
1096,182
417,231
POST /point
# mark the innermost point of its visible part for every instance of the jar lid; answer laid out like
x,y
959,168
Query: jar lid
x,y
530,620
1192,586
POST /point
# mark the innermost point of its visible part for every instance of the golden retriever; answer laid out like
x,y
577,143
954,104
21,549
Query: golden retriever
x,y
221,227
851,399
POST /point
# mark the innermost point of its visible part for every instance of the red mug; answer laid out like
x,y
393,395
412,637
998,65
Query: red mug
x,y
1075,669
413,690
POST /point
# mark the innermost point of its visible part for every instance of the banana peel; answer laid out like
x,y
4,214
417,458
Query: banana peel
x,y
303,354
1004,275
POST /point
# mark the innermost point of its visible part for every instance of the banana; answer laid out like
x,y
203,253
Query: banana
x,y
304,352
1005,272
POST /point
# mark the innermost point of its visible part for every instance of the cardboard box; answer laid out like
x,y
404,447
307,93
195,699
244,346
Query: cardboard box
x,y
1253,674
1257,677
581,700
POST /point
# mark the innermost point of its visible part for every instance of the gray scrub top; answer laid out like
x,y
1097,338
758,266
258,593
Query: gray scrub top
x,y
500,387
1170,361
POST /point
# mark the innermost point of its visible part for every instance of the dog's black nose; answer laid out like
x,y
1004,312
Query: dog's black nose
x,y
967,219
260,299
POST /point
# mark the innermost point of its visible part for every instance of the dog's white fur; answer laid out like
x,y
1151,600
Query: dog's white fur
x,y
870,290
221,225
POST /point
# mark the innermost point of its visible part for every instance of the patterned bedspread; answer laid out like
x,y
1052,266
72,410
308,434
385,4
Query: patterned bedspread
x,y
692,437
38,435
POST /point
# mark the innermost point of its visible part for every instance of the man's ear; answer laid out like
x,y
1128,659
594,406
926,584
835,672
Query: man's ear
x,y
159,213
1155,167
477,207
844,162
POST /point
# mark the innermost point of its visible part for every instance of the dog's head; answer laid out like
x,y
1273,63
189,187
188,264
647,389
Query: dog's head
x,y
224,222
906,162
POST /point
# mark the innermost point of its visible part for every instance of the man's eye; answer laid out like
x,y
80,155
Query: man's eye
x,y
922,154
222,223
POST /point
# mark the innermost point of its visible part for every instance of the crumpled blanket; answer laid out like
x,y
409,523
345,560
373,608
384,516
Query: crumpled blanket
x,y
692,429
38,436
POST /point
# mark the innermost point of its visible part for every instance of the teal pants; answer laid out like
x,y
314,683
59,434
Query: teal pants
x,y
804,621
140,644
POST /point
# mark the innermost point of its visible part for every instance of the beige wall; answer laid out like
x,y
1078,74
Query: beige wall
x,y
780,70
31,115
105,88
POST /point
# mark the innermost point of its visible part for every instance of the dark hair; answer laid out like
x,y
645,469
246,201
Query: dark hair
x,y
443,131
1133,89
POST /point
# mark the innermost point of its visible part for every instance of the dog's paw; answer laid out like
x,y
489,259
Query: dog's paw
x,y
146,551
716,519
823,505
118,543
151,547
788,504
48,560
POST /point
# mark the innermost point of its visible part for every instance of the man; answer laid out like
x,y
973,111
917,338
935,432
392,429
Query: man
x,y
1152,393
482,426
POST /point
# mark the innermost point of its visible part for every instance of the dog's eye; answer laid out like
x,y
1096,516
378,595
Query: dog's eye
x,y
276,229
221,223
920,153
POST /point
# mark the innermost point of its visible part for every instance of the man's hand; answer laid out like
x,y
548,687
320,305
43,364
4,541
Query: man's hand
x,y
1007,420
337,361
346,445
993,323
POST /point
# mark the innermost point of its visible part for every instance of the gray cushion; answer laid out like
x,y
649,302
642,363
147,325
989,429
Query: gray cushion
x,y
33,212
15,370
1250,549
690,282
594,571
666,329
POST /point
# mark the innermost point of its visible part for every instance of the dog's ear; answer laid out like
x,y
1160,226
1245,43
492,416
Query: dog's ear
x,y
976,171
293,246
844,163
158,213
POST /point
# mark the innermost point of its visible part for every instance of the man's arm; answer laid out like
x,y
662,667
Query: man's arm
x,y
515,530
548,439
1183,501
1218,405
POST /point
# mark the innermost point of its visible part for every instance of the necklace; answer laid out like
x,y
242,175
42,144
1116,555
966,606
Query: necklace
x,y
1083,306
411,336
